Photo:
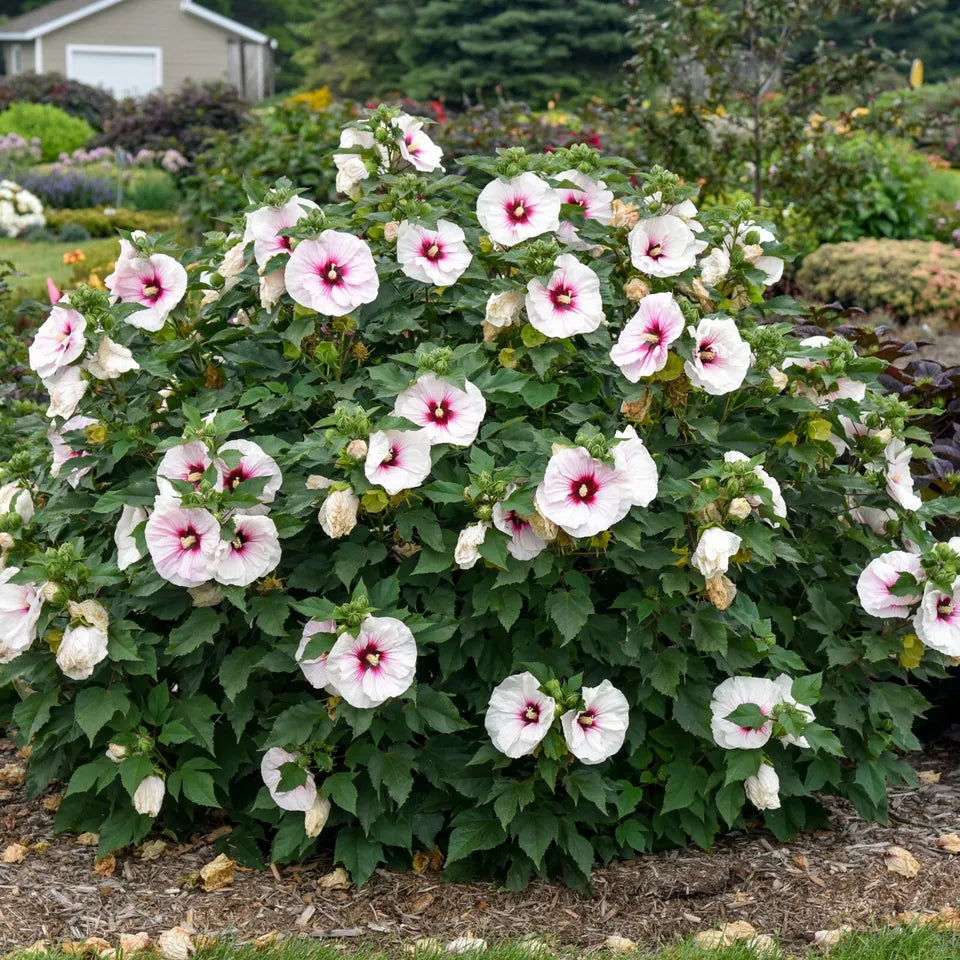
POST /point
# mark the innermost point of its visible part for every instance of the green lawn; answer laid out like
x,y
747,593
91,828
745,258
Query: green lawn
x,y
922,943
37,261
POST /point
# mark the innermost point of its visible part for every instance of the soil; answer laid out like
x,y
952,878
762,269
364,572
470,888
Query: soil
x,y
821,881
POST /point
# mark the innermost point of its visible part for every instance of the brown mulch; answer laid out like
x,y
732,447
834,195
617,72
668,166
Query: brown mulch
x,y
820,881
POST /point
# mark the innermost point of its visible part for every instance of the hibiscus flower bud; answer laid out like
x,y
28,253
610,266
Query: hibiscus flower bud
x,y
234,261
49,591
338,515
721,591
315,819
317,482
778,378
148,797
752,252
81,649
504,308
357,449
763,790
625,215
636,289
116,752
714,550
390,231
96,433
739,508
467,551
701,295
90,612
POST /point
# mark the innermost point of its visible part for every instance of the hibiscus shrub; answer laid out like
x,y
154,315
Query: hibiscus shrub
x,y
498,526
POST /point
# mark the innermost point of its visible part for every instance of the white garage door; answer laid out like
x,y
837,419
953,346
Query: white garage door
x,y
124,71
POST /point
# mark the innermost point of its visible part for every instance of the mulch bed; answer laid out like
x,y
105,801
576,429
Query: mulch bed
x,y
820,881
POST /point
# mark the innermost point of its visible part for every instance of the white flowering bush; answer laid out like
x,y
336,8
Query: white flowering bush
x,y
497,515
19,210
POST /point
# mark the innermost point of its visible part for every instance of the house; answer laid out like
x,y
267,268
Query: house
x,y
133,47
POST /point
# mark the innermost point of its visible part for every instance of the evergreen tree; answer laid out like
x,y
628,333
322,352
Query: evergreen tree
x,y
529,49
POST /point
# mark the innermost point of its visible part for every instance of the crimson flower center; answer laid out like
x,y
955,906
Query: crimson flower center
x,y
944,608
332,273
518,210
584,489
515,521
563,297
392,457
707,353
587,719
439,411
655,251
431,249
531,713
235,477
371,657
239,540
652,338
152,289
189,539
195,472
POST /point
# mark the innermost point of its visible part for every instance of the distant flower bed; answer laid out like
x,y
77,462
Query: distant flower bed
x,y
70,189
19,209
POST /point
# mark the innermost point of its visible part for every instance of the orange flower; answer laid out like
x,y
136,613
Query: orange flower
x,y
73,256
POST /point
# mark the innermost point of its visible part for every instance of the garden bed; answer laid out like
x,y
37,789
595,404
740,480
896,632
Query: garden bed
x,y
822,880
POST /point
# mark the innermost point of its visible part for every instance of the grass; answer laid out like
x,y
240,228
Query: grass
x,y
917,943
37,261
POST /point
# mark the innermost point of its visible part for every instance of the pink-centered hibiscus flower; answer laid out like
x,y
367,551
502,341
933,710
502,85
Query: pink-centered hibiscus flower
x,y
183,543
518,209
597,732
128,552
63,452
846,388
333,274
873,586
519,715
432,256
251,552
524,543
591,196
300,798
254,464
398,459
937,621
643,345
735,692
580,494
663,246
20,605
897,457
568,303
59,341
415,146
315,668
187,462
720,357
265,226
378,663
445,413
158,283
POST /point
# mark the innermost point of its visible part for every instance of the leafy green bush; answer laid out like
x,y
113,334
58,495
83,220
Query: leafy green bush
x,y
101,223
153,191
56,130
912,280
565,532
92,104
74,233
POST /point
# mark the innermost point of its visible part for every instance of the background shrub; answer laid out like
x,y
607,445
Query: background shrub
x,y
74,233
57,131
92,104
70,189
102,224
152,191
183,120
912,280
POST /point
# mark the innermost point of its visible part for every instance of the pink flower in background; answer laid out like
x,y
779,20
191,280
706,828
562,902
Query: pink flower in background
x,y
315,669
637,470
264,228
873,586
255,464
398,459
433,256
378,663
846,387
59,341
937,621
300,798
66,388
720,357
519,715
590,195
663,246
20,605
524,543
415,146
771,483
643,345
597,732
333,274
446,413
123,536
581,495
518,209
568,303
251,553
158,283
183,543
62,451
897,457
112,360
187,462
771,267
735,692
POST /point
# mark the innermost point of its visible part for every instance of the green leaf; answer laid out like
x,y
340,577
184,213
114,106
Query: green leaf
x,y
537,395
494,548
236,667
685,784
588,784
342,790
515,795
34,712
569,610
535,830
741,764
358,854
730,799
198,787
438,711
199,628
133,771
473,830
94,706
578,847
748,715
806,690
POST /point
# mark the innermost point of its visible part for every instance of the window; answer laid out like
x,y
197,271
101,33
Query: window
x,y
16,59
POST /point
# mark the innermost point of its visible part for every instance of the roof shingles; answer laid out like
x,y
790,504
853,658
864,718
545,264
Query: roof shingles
x,y
36,18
